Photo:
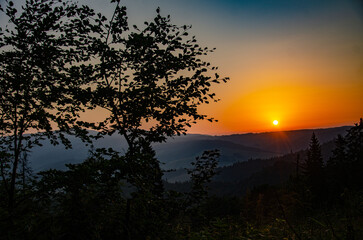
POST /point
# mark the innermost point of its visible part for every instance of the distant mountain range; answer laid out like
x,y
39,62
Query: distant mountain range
x,y
179,152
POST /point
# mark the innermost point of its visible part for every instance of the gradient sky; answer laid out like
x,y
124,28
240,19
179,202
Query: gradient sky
x,y
297,61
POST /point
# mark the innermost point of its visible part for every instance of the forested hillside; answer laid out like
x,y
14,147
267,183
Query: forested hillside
x,y
240,170
296,196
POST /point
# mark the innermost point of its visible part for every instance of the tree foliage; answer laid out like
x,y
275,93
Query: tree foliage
x,y
314,169
59,59
151,79
204,168
39,48
346,164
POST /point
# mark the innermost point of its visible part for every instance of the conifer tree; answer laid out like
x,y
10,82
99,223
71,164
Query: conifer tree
x,y
337,166
314,168
354,141
339,153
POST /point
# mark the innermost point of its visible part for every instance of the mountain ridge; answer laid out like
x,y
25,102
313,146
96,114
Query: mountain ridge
x,y
179,152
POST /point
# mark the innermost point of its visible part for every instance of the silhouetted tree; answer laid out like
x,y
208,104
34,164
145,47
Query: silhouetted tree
x,y
339,152
204,168
314,169
58,58
354,140
39,50
338,167
151,79
84,202
345,166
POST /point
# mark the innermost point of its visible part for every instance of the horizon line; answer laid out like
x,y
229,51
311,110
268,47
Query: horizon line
x,y
277,131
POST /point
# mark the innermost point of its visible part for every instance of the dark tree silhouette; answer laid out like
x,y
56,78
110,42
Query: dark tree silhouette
x,y
346,164
354,140
204,168
339,152
314,169
58,59
338,167
151,79
39,49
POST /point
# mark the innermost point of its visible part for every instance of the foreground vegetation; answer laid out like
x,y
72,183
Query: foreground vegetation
x,y
319,201
93,200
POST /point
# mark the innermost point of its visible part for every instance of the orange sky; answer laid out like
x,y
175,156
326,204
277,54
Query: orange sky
x,y
285,95
303,69
299,62
297,88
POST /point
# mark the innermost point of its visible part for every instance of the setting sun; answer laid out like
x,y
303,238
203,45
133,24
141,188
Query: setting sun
x,y
275,122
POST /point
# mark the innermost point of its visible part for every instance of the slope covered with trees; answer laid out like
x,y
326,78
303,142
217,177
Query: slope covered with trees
x,y
312,200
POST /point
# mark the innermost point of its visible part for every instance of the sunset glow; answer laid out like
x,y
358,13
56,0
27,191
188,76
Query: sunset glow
x,y
296,61
304,68
275,122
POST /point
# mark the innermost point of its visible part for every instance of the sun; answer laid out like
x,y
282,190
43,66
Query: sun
x,y
275,122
